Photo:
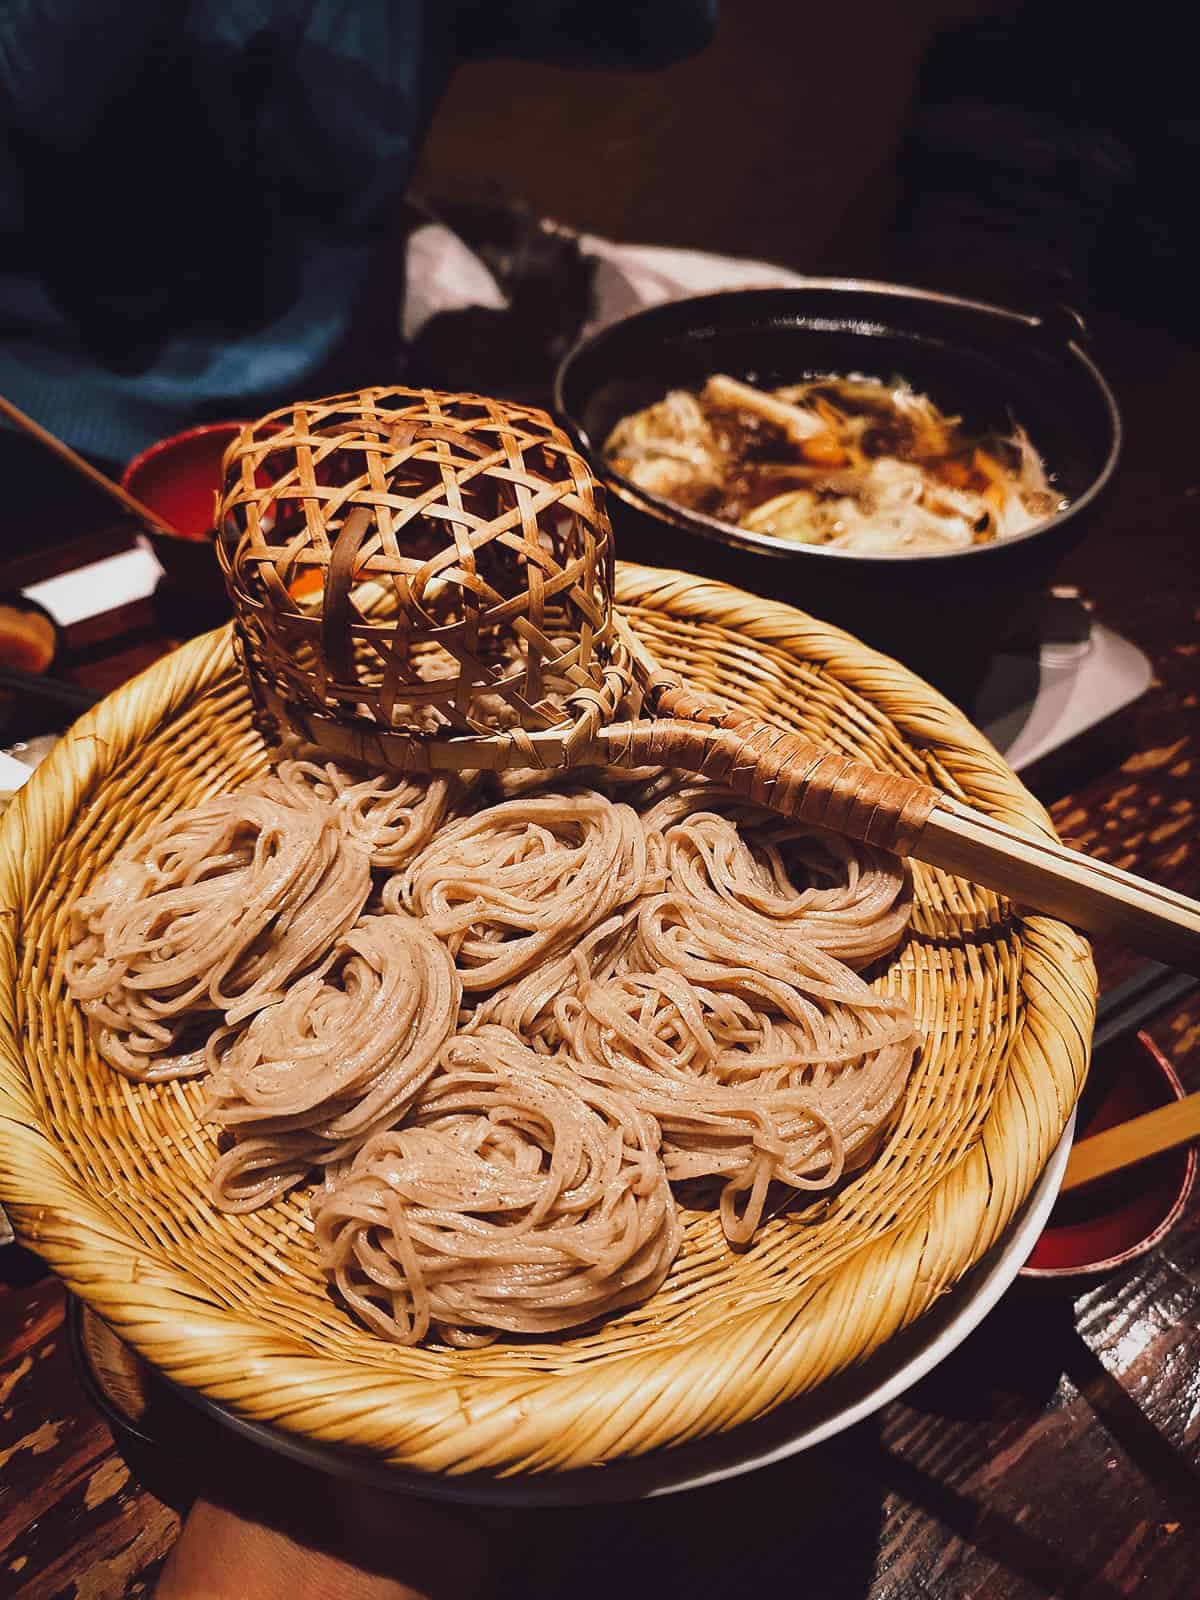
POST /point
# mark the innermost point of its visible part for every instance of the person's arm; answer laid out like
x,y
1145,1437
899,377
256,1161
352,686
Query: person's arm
x,y
404,1550
262,1527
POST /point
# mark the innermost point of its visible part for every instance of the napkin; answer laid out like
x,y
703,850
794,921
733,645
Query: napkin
x,y
444,274
493,298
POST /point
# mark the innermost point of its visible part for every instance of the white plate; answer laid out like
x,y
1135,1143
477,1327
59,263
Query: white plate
x,y
849,1398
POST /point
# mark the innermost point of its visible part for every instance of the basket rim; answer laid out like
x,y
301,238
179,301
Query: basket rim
x,y
516,1423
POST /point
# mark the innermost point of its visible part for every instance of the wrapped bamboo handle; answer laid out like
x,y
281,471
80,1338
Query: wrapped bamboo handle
x,y
814,785
785,773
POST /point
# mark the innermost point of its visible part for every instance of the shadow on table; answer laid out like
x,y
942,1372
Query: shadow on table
x,y
20,1268
1013,1364
807,1526
1129,1426
817,1524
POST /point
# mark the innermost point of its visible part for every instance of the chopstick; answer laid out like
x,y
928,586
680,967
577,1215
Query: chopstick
x,y
1133,1141
1046,876
56,446
1119,1012
1151,989
71,695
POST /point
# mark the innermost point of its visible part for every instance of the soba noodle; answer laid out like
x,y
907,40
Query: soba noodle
x,y
795,1063
813,889
341,1056
214,910
742,1094
527,1007
520,881
391,816
553,1006
518,1198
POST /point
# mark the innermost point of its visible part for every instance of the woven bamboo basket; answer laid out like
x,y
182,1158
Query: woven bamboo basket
x,y
106,1178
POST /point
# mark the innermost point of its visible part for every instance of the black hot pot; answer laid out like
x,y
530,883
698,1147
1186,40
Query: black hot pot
x,y
943,614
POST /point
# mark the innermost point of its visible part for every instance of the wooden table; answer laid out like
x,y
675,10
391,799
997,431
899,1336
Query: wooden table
x,y
1056,1453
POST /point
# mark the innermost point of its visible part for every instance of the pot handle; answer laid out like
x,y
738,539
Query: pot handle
x,y
1065,323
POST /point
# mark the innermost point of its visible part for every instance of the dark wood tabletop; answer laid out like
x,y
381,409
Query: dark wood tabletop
x,y
1056,1453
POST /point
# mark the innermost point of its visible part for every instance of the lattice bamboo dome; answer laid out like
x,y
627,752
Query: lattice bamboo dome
x,y
413,562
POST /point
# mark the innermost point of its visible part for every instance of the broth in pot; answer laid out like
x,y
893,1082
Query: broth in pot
x,y
847,462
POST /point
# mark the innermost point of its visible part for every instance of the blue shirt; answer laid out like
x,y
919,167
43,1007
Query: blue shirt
x,y
196,195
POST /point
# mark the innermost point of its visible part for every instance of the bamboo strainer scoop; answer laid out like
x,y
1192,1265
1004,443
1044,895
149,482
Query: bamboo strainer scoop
x,y
424,581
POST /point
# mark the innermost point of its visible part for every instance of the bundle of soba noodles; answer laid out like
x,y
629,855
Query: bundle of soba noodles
x,y
518,1197
814,890
341,1056
519,882
210,915
500,1034
764,1058
391,815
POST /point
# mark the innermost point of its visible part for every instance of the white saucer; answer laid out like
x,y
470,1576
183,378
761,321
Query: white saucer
x,y
1075,675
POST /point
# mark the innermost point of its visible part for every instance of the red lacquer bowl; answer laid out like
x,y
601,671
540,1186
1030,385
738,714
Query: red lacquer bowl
x,y
180,479
1111,1223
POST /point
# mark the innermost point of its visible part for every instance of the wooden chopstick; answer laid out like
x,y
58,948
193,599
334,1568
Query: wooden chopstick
x,y
1133,1141
1128,1007
71,695
56,446
1119,1012
1044,875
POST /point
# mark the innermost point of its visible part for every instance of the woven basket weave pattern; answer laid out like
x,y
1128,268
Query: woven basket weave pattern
x,y
478,516
107,1177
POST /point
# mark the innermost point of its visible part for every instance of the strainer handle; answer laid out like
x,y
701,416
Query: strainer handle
x,y
785,773
823,789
